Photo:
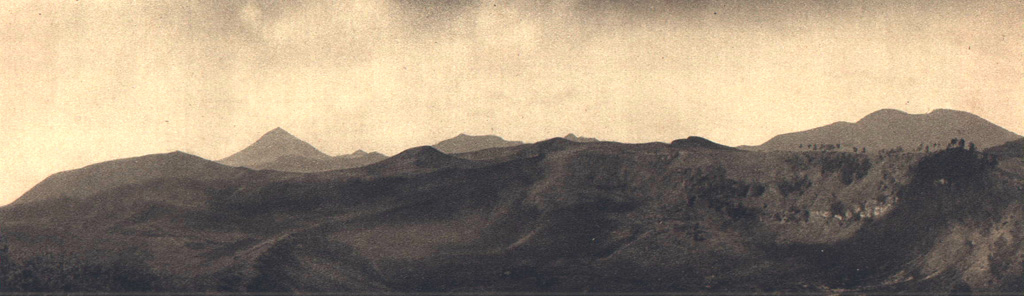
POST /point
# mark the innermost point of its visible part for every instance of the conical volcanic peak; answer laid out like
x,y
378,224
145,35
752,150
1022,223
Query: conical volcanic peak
x,y
277,130
270,147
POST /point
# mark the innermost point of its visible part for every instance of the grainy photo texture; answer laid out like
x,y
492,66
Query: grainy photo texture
x,y
512,147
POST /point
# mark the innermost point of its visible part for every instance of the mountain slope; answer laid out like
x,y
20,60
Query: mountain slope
x,y
555,216
465,143
889,129
271,146
300,164
96,178
1009,149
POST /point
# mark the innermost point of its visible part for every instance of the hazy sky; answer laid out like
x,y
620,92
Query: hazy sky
x,y
84,82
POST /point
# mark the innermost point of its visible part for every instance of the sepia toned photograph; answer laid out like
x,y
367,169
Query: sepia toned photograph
x,y
521,147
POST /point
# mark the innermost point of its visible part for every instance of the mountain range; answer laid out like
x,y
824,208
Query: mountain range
x,y
892,129
281,151
556,216
465,143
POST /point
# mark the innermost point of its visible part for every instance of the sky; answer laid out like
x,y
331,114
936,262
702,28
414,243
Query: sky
x,y
88,81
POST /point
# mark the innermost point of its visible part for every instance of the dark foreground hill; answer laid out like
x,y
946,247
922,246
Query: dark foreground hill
x,y
555,216
892,129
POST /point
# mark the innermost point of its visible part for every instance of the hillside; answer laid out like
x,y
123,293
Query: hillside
x,y
98,178
1013,148
555,216
890,129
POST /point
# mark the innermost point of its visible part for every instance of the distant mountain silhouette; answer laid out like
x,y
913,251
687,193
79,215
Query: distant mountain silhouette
x,y
281,151
574,138
889,129
698,142
270,147
358,159
465,143
358,154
